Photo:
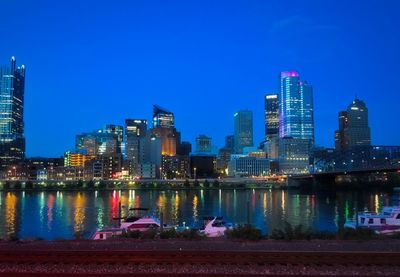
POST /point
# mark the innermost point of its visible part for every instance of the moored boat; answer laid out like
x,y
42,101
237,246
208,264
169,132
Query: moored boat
x,y
215,227
385,222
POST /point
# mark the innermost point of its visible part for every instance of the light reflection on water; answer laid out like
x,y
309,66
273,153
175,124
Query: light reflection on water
x,y
61,214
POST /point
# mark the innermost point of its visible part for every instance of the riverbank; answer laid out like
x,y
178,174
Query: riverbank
x,y
208,244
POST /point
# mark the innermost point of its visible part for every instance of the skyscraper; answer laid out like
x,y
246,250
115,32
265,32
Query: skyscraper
x,y
296,108
135,131
353,127
163,128
341,143
203,144
296,123
271,109
162,118
243,128
12,140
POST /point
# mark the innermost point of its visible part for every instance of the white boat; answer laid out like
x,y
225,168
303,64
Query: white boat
x,y
215,227
385,222
144,224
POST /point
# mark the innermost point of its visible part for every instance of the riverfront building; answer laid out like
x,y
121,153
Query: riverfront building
x,y
248,166
12,89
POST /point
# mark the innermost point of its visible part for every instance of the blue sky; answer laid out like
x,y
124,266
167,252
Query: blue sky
x,y
90,63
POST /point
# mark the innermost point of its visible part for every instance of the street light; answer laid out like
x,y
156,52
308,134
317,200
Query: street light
x,y
195,169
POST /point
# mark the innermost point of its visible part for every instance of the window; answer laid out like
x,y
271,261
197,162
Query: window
x,y
101,236
398,216
383,220
362,220
371,221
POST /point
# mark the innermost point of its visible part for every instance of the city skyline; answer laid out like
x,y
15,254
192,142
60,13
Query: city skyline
x,y
202,72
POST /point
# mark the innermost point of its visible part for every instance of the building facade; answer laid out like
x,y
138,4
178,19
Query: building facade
x,y
296,107
271,111
135,131
243,127
203,144
12,89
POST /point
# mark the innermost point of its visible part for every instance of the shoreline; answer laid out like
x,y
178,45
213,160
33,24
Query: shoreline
x,y
208,244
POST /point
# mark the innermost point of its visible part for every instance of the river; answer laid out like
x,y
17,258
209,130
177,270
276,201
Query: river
x,y
67,214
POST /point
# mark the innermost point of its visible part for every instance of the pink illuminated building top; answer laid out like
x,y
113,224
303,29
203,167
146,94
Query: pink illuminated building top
x,y
289,74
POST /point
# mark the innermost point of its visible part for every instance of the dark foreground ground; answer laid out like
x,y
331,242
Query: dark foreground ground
x,y
208,257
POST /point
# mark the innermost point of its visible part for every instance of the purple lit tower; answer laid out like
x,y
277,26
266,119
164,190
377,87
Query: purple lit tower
x,y
296,108
296,124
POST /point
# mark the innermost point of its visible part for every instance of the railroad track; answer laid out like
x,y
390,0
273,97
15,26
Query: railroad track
x,y
196,259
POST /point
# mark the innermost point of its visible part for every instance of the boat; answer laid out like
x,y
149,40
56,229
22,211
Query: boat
x,y
132,217
107,233
145,224
137,219
386,222
215,227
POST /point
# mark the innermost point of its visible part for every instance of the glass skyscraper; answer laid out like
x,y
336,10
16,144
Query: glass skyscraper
x,y
296,124
162,118
12,140
271,109
296,108
135,133
243,127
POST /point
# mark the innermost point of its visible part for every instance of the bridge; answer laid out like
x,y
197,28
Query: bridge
x,y
382,176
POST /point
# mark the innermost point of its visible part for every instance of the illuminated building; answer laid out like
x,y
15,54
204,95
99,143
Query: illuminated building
x,y
294,155
106,141
353,127
203,144
162,118
163,128
249,166
271,110
243,127
77,159
135,130
296,108
296,124
12,140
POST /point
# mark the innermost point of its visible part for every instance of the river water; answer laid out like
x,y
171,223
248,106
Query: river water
x,y
64,214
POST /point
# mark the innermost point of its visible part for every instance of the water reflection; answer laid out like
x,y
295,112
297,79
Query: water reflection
x,y
52,215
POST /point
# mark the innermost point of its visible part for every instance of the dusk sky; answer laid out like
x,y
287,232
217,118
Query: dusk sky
x,y
91,63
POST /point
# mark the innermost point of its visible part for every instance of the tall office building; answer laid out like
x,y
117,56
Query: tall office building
x,y
296,123
230,143
341,143
163,128
135,129
106,141
162,118
118,131
203,144
296,108
271,109
243,127
12,140
353,127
